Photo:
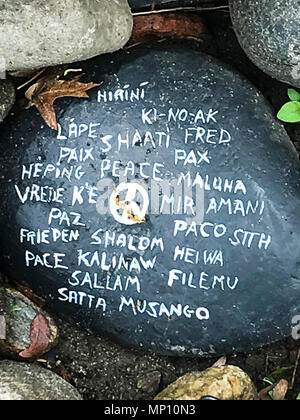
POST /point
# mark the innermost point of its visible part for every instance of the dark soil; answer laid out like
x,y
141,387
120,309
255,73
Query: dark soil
x,y
102,370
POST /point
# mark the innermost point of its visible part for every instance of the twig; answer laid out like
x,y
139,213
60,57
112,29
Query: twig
x,y
127,47
182,9
295,370
31,80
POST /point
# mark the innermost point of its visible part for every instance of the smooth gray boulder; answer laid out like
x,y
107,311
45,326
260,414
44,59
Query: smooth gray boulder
x,y
269,33
35,33
7,97
27,382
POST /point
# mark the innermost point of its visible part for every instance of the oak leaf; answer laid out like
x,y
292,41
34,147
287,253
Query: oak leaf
x,y
44,92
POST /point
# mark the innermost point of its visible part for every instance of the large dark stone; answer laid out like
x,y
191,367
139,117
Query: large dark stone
x,y
143,4
231,270
268,31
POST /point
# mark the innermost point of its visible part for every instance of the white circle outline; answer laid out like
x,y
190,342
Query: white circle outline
x,y
132,213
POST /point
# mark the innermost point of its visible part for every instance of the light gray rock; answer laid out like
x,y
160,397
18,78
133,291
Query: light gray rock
x,y
27,382
39,33
269,33
7,97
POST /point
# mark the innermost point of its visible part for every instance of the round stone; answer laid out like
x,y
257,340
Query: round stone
x,y
35,34
216,382
29,382
164,211
268,31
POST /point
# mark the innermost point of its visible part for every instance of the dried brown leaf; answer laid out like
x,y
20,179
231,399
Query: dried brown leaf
x,y
220,362
40,337
30,91
280,390
44,92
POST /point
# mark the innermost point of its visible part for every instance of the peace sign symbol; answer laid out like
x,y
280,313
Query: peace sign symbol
x,y
128,211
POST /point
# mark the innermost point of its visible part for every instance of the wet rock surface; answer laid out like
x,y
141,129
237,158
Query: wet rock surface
x,y
224,383
269,33
102,277
27,331
7,98
28,382
34,34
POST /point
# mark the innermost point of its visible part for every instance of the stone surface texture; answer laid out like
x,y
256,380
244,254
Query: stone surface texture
x,y
19,312
28,382
251,296
224,383
35,33
269,33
